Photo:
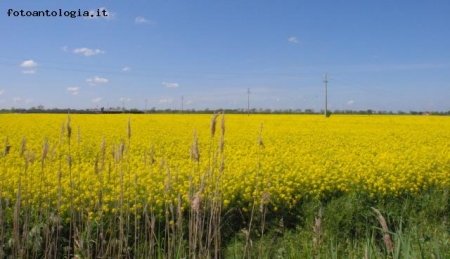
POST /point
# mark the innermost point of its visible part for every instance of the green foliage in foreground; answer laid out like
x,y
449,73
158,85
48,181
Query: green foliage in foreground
x,y
349,228
342,227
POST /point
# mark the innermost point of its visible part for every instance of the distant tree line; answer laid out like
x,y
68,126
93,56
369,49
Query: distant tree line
x,y
119,110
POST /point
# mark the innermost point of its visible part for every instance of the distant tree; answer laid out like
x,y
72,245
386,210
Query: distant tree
x,y
415,112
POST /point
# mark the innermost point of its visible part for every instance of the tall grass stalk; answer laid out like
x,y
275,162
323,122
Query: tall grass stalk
x,y
72,223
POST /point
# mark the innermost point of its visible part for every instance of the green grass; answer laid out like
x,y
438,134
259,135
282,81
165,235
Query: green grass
x,y
418,227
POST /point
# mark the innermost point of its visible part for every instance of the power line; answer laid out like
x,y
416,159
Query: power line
x,y
182,103
369,89
248,101
142,72
325,81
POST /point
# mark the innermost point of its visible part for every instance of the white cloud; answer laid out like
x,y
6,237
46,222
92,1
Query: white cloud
x,y
96,100
126,69
141,19
98,13
64,48
123,99
97,80
171,85
351,102
29,63
100,80
17,99
2,91
88,52
189,102
29,100
73,90
166,100
293,40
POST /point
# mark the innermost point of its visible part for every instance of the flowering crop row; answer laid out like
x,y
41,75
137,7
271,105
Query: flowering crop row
x,y
103,163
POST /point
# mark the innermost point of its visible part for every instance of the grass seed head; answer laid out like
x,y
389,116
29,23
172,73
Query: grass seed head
x,y
23,146
221,144
260,141
69,129
213,124
265,198
152,155
195,154
222,123
45,150
222,164
103,147
196,202
7,147
30,157
129,128
121,150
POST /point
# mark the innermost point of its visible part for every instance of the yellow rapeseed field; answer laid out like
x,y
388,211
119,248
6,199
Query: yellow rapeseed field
x,y
100,163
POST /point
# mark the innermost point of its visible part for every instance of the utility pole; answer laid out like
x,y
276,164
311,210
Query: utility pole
x,y
248,101
182,103
145,109
325,81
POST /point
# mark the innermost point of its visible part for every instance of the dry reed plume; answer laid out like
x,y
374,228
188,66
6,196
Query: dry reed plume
x,y
386,237
213,124
195,153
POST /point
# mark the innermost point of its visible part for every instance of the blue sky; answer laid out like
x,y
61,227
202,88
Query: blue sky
x,y
381,55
